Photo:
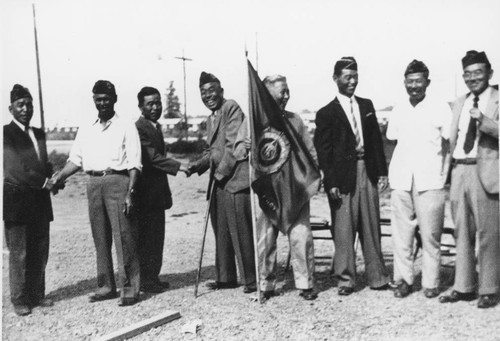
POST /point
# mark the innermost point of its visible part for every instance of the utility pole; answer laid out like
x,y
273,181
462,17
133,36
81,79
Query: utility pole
x,y
183,58
42,119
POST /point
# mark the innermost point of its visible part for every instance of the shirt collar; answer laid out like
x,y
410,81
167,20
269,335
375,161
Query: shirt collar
x,y
20,125
483,96
345,101
108,122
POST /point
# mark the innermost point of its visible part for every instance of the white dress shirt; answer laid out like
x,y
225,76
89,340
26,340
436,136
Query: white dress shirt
x,y
111,145
418,155
345,102
463,123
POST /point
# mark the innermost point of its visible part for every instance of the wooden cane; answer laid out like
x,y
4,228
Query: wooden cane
x,y
207,216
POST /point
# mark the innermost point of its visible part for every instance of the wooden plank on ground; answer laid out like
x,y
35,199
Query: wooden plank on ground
x,y
140,327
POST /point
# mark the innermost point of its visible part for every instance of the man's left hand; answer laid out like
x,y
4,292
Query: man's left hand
x,y
128,205
383,182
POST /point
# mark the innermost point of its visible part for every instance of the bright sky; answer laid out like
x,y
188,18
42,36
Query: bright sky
x,y
133,44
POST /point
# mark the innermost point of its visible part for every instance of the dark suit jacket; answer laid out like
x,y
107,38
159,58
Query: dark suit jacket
x,y
219,157
24,175
336,145
152,189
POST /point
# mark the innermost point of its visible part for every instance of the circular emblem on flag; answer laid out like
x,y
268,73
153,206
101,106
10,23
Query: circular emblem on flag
x,y
273,149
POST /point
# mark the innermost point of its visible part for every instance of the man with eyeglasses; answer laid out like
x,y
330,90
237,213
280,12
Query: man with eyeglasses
x,y
474,185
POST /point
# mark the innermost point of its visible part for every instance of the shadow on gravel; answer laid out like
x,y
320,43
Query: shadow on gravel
x,y
176,281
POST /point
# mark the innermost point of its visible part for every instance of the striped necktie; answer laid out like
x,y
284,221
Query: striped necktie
x,y
355,129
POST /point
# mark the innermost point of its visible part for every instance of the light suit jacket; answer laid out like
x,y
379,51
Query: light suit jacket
x,y
487,150
231,173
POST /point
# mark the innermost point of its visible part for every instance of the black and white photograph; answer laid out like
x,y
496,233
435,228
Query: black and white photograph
x,y
250,170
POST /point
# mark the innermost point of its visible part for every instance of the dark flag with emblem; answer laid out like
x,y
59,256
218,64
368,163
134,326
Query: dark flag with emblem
x,y
285,175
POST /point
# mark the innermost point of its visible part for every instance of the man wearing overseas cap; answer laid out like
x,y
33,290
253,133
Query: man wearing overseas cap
x,y
230,211
109,151
474,185
27,209
351,156
417,173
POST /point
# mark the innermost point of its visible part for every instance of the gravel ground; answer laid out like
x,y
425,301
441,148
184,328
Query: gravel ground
x,y
227,314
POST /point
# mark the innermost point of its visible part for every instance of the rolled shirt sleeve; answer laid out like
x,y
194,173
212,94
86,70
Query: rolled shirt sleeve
x,y
132,147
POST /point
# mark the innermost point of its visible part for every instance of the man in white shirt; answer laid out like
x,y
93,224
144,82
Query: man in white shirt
x,y
474,185
417,174
109,151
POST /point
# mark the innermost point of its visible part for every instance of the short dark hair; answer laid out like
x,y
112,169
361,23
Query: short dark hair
x,y
146,91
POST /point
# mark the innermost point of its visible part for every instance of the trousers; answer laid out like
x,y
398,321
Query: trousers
x,y
108,222
425,209
231,218
28,245
475,214
301,250
358,212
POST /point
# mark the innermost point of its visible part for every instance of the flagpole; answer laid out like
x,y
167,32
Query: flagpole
x,y
42,119
252,199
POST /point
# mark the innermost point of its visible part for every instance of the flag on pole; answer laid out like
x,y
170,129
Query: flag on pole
x,y
285,176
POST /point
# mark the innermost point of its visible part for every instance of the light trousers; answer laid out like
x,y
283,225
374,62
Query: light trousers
x,y
301,250
475,214
409,209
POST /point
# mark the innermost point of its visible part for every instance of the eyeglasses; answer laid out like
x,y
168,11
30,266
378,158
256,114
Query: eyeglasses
x,y
469,74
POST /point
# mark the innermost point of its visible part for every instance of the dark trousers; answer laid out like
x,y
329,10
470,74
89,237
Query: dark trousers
x,y
358,212
106,195
232,223
28,245
151,224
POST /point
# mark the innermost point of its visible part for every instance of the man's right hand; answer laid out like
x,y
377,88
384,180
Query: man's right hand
x,y
334,193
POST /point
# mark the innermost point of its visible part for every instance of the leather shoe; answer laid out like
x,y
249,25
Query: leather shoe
x,y
393,285
487,301
22,310
154,287
221,285
126,301
266,295
403,290
431,292
386,286
100,297
345,291
248,289
308,294
456,296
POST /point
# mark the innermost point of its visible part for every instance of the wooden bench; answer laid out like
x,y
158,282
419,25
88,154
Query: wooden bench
x,y
447,249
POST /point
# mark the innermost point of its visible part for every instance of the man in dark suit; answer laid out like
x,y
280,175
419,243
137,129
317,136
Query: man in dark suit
x,y
27,209
351,156
230,211
475,185
153,194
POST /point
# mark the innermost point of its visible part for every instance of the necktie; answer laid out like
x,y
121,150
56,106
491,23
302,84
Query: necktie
x,y
470,137
355,129
27,130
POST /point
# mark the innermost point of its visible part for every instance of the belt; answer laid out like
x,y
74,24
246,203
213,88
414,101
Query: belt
x,y
467,161
107,172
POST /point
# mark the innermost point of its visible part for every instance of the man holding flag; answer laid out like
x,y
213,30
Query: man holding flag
x,y
285,176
